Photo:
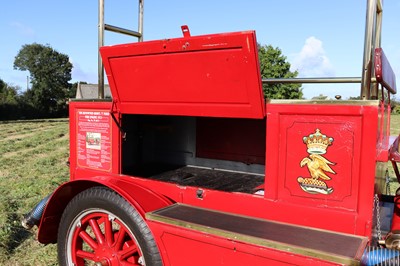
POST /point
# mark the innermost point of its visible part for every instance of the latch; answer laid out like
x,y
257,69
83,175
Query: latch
x,y
185,31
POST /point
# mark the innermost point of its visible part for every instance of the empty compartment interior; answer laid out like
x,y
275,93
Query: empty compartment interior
x,y
226,154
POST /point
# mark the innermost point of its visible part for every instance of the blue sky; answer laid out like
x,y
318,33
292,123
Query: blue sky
x,y
319,38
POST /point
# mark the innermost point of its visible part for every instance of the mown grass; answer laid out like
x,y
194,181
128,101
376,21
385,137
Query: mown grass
x,y
33,156
33,163
395,125
394,131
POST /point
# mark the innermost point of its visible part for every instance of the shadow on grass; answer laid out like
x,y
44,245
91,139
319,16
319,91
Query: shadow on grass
x,y
12,234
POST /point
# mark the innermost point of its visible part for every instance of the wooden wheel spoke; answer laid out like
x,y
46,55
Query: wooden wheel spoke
x,y
108,231
88,239
120,239
126,253
96,230
85,255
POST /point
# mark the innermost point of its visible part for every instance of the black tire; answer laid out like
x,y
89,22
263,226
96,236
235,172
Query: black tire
x,y
107,209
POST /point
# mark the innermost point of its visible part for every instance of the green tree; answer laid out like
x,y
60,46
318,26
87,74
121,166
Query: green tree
x,y
50,73
2,85
8,93
10,104
274,65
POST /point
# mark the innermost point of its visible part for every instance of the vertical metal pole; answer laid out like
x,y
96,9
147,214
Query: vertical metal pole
x,y
368,46
140,23
377,44
101,43
378,30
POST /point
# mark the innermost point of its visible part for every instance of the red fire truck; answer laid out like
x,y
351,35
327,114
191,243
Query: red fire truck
x,y
188,164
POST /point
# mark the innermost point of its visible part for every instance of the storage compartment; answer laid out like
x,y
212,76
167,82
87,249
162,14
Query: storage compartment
x,y
215,153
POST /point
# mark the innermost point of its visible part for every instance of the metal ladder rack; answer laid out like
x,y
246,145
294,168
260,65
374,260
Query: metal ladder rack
x,y
369,84
368,81
102,27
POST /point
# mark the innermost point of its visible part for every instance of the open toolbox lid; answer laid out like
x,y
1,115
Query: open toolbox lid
x,y
214,75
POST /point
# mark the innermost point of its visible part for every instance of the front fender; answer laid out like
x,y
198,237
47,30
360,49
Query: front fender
x,y
142,198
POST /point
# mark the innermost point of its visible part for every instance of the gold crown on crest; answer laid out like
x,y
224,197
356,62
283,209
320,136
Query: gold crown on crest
x,y
317,143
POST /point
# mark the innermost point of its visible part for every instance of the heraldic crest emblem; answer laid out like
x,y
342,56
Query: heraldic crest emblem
x,y
318,166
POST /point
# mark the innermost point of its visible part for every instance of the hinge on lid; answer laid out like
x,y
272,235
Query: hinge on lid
x,y
123,133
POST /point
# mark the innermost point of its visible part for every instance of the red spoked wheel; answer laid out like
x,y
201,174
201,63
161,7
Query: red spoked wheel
x,y
100,228
99,236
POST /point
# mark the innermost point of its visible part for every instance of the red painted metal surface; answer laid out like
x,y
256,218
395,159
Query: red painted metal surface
x,y
319,158
93,120
60,198
212,75
394,152
284,200
396,215
178,246
384,72
231,139
384,142
347,191
142,198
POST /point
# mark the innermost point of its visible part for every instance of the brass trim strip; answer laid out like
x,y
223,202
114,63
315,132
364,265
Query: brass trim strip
x,y
90,100
154,216
325,102
314,80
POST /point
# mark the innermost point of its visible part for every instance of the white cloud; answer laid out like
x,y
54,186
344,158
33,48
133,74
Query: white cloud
x,y
23,29
312,61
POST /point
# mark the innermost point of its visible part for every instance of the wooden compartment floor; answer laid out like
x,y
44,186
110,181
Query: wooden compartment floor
x,y
212,179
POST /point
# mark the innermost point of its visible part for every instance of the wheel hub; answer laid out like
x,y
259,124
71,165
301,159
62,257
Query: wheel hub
x,y
102,263
106,256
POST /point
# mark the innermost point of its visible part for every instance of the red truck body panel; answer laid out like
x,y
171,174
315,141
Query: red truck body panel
x,y
188,126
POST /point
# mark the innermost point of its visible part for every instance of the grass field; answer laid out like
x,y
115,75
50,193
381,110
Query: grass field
x,y
395,125
33,163
394,130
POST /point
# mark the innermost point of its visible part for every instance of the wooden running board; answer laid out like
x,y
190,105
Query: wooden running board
x,y
316,243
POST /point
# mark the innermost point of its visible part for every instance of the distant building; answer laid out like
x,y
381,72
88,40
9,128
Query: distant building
x,y
91,91
320,97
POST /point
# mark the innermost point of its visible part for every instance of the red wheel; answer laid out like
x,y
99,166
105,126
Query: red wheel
x,y
101,237
100,228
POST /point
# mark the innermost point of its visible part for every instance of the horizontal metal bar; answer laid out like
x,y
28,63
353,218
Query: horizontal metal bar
x,y
314,80
122,30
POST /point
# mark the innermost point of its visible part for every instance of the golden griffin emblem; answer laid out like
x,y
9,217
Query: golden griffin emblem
x,y
317,165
